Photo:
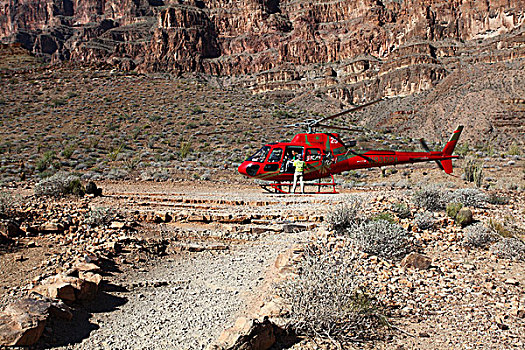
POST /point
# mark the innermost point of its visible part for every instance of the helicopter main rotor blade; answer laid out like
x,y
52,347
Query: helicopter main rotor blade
x,y
216,132
426,148
339,127
362,156
354,109
424,145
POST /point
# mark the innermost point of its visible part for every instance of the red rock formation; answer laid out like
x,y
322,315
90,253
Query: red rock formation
x,y
369,48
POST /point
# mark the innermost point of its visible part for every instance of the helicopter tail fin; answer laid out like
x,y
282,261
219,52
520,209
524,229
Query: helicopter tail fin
x,y
451,144
446,164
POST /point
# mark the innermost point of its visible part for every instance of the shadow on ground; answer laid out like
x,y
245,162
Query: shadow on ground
x,y
63,333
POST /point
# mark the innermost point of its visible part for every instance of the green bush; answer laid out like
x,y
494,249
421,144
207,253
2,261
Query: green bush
x,y
386,216
474,172
45,161
401,210
453,209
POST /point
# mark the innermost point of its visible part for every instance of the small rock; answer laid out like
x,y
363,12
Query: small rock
x,y
512,281
117,225
416,260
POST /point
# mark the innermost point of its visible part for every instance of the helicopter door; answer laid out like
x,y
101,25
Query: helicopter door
x,y
274,158
287,165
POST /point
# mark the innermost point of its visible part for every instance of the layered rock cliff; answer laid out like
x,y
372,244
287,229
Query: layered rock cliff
x,y
353,51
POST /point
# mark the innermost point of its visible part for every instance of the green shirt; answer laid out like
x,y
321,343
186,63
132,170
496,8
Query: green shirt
x,y
299,165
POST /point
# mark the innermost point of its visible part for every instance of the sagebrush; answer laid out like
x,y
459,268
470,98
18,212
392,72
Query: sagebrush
x,y
509,248
60,184
431,198
326,299
382,238
424,220
344,215
479,236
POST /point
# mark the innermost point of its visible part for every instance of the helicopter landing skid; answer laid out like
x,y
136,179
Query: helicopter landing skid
x,y
279,187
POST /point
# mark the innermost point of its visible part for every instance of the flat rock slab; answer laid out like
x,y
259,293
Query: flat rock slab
x,y
22,322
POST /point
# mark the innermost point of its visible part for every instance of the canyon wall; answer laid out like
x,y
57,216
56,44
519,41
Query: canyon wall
x,y
352,51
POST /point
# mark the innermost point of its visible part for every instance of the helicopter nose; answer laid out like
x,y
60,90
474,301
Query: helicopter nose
x,y
248,169
242,168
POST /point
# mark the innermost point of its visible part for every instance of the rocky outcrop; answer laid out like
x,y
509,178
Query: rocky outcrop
x,y
350,51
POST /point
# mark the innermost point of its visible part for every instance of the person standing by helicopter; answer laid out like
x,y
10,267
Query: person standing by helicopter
x,y
299,165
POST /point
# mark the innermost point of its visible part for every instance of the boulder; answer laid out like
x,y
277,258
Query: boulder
x,y
51,227
247,334
416,260
69,288
9,229
91,188
22,322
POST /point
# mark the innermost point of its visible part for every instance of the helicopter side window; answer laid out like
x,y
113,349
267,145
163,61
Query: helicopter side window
x,y
260,155
276,155
313,154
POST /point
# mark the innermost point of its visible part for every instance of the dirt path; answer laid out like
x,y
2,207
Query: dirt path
x,y
185,300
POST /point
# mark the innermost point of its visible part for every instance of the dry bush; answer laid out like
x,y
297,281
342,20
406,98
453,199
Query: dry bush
x,y
509,248
432,198
424,220
479,236
6,203
469,197
60,184
326,299
345,215
100,216
382,238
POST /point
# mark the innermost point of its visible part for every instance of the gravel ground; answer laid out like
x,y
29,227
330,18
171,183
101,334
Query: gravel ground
x,y
182,303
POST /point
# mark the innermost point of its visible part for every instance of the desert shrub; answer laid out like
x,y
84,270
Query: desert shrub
x,y
470,197
60,184
496,199
381,238
453,209
473,172
155,175
431,198
401,210
514,149
508,228
344,215
7,204
326,299
117,174
478,236
45,161
99,216
185,149
424,220
386,216
509,248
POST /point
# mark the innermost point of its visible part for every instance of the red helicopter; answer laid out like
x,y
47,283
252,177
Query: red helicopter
x,y
326,154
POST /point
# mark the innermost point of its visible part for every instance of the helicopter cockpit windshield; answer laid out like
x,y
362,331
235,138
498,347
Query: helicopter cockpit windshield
x,y
260,155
